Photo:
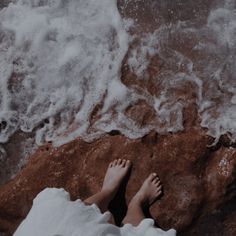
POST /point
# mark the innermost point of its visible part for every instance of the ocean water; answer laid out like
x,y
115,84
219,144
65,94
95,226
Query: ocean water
x,y
61,66
59,59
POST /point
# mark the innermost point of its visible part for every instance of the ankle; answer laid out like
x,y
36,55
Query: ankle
x,y
138,201
106,191
108,194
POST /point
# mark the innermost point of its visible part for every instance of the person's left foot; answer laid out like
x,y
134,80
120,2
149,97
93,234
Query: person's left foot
x,y
116,172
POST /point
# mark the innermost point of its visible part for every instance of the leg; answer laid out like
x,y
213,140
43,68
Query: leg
x,y
116,173
145,197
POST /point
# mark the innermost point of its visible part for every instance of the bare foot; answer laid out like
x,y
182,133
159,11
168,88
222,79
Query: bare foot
x,y
116,172
149,191
144,198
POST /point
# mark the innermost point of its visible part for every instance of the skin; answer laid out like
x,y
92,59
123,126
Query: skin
x,y
116,172
143,199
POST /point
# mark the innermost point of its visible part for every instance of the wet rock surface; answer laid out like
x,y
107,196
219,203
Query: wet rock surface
x,y
199,181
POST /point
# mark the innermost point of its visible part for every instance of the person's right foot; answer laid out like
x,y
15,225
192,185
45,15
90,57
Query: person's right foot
x,y
149,191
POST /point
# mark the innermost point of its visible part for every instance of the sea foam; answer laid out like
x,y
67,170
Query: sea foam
x,y
61,60
58,61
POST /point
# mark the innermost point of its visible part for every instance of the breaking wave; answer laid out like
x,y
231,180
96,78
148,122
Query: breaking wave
x,y
61,63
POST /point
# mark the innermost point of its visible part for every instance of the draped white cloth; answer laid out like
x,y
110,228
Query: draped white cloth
x,y
53,214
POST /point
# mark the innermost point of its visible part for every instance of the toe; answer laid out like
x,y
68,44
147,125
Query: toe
x,y
110,165
159,188
115,162
128,163
119,161
156,180
159,193
152,176
123,163
157,184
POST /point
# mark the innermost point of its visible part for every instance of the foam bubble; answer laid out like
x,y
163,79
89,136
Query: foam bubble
x,y
3,154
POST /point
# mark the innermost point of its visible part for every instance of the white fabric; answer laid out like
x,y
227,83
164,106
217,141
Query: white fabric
x,y
53,214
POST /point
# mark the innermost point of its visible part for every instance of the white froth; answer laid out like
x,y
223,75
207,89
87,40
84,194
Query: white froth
x,y
219,117
223,22
59,60
140,56
64,56
2,154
